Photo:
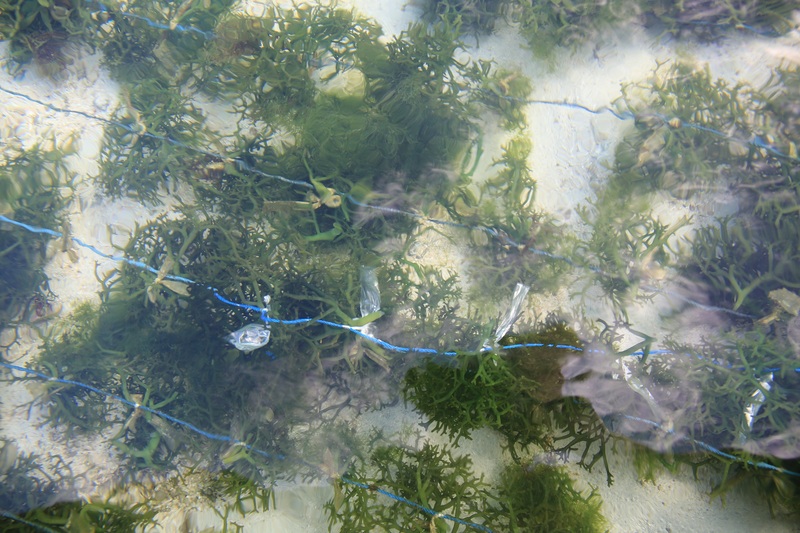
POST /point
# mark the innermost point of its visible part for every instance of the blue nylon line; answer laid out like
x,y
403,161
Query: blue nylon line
x,y
357,331
178,27
502,237
431,512
226,438
32,229
737,26
15,518
624,115
542,345
712,449
696,303
426,510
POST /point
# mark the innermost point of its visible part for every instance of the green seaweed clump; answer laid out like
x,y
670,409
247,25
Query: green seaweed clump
x,y
540,498
740,259
476,16
154,144
533,498
43,30
30,183
709,18
542,364
431,477
474,391
554,23
572,424
517,394
671,147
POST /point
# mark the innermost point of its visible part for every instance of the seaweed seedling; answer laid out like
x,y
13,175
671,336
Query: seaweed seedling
x,y
552,23
154,146
477,390
30,193
432,478
709,19
43,30
671,147
542,363
475,16
542,498
503,91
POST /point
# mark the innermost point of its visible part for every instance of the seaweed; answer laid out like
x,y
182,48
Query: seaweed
x,y
778,490
475,16
674,146
708,19
154,143
267,62
239,494
81,515
44,30
477,390
542,364
540,497
431,477
137,48
628,249
553,23
571,423
30,192
526,498
740,259
517,394
503,91
506,206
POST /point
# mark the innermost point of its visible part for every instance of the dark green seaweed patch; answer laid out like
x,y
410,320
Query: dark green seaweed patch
x,y
30,193
540,497
512,395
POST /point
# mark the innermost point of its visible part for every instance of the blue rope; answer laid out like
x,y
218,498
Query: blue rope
x,y
763,32
711,449
153,24
500,236
426,510
16,518
235,442
756,141
355,330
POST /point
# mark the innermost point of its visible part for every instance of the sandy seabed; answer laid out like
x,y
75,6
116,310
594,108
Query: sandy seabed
x,y
569,147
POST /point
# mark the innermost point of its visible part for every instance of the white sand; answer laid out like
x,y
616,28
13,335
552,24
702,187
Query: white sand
x,y
567,160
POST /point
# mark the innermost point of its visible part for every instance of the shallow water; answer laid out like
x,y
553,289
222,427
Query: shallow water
x,y
279,268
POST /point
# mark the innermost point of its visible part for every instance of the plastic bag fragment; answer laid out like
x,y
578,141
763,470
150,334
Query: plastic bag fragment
x,y
249,338
751,410
514,310
370,294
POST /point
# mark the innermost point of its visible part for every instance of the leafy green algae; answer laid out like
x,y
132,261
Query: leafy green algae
x,y
536,498
517,393
414,108
541,498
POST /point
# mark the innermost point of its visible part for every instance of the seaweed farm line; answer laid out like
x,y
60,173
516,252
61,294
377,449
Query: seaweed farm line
x,y
384,266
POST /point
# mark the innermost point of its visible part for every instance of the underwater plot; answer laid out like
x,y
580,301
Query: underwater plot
x,y
311,225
